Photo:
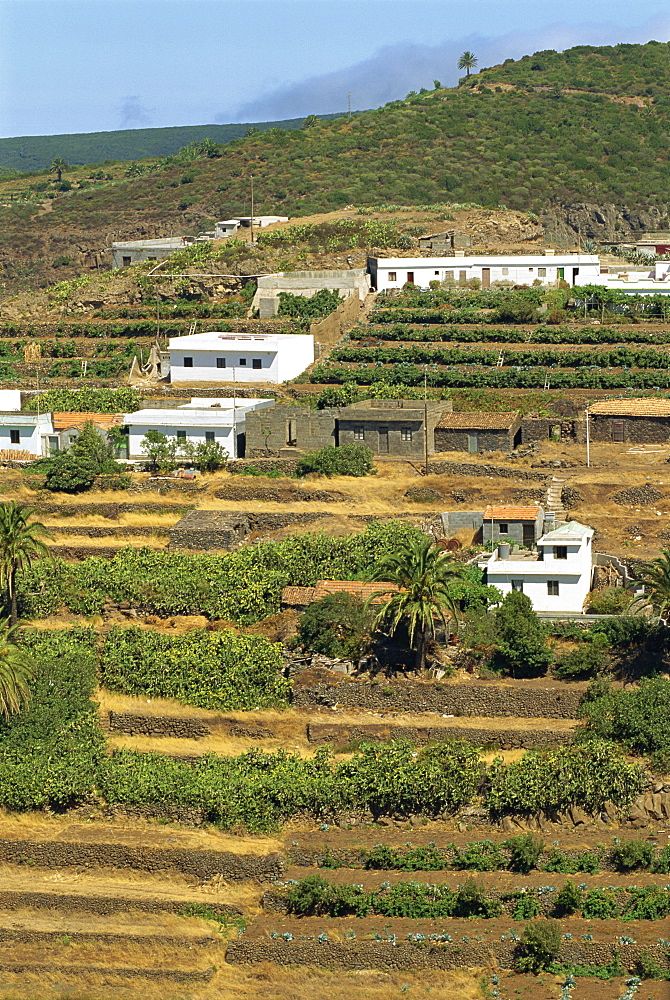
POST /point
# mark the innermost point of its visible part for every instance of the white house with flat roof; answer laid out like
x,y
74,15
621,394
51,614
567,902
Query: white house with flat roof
x,y
198,422
548,268
25,435
240,357
556,577
636,280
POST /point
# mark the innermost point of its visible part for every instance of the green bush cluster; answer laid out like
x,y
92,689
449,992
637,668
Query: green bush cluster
x,y
637,719
87,400
347,460
620,357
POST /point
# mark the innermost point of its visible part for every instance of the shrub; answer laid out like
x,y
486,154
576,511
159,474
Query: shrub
x,y
638,719
569,900
632,855
347,460
483,856
527,907
600,904
610,601
588,660
337,625
525,851
539,946
471,902
522,649
90,455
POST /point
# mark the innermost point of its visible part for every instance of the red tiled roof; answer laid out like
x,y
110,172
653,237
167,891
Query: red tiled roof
x,y
298,596
493,513
66,419
631,408
477,421
357,588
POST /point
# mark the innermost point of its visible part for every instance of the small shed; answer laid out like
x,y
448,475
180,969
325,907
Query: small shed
x,y
634,421
523,524
475,432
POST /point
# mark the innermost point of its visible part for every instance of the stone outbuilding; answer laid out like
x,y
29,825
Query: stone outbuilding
x,y
634,421
475,432
523,524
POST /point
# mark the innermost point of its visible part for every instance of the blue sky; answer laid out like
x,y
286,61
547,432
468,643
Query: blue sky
x,y
97,65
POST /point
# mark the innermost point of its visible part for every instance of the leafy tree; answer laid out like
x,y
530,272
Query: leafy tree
x,y
16,672
539,946
522,649
347,460
588,660
638,719
423,575
20,545
160,450
90,455
311,121
58,167
467,61
207,456
337,625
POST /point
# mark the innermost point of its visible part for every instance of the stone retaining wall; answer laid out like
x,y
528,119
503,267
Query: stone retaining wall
x,y
288,466
110,511
195,864
158,725
403,955
480,469
79,552
123,531
58,971
481,700
101,905
286,493
504,739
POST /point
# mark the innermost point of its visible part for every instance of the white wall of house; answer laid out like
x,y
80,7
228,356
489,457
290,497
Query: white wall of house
x,y
557,578
10,400
226,357
25,432
394,272
646,281
195,425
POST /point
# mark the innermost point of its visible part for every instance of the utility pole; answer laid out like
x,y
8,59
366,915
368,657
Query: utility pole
x,y
234,415
252,208
588,441
425,420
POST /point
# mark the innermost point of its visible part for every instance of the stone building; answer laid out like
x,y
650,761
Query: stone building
x,y
445,242
523,524
475,432
387,426
635,421
266,301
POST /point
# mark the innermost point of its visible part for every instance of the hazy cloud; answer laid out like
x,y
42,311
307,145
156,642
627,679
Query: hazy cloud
x,y
394,70
134,114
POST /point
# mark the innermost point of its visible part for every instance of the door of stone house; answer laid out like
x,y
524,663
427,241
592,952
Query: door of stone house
x,y
529,535
473,443
617,430
486,277
383,440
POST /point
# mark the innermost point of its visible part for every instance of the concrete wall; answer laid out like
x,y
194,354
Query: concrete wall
x,y
268,431
355,282
461,520
194,434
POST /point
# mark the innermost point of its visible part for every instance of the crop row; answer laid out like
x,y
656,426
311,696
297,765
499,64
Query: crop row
x,y
490,378
620,357
513,335
314,896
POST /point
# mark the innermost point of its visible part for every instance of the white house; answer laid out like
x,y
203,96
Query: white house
x,y
636,280
25,434
239,357
226,228
200,421
548,268
556,577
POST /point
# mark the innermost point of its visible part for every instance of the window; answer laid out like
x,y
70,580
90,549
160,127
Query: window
x,y
502,528
393,276
405,433
552,588
542,272
15,437
220,362
437,273
181,435
448,275
256,363
243,361
188,362
359,433
209,437
560,552
505,270
517,585
531,269
125,261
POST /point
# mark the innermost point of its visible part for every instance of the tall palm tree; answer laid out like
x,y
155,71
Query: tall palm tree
x,y
20,544
656,580
16,672
58,165
422,575
467,61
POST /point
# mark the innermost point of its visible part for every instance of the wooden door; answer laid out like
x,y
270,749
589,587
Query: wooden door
x,y
486,277
383,440
618,430
410,276
529,535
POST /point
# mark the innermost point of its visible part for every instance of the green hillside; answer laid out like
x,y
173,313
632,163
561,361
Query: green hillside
x,y
630,70
35,152
527,149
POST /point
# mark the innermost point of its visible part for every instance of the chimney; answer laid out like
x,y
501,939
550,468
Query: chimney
x,y
549,253
459,253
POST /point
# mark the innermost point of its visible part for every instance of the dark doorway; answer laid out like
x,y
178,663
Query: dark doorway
x,y
383,440
486,277
410,276
618,430
529,535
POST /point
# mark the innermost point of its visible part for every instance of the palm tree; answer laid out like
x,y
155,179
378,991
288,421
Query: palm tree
x,y
656,580
20,544
422,575
467,61
58,165
16,672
